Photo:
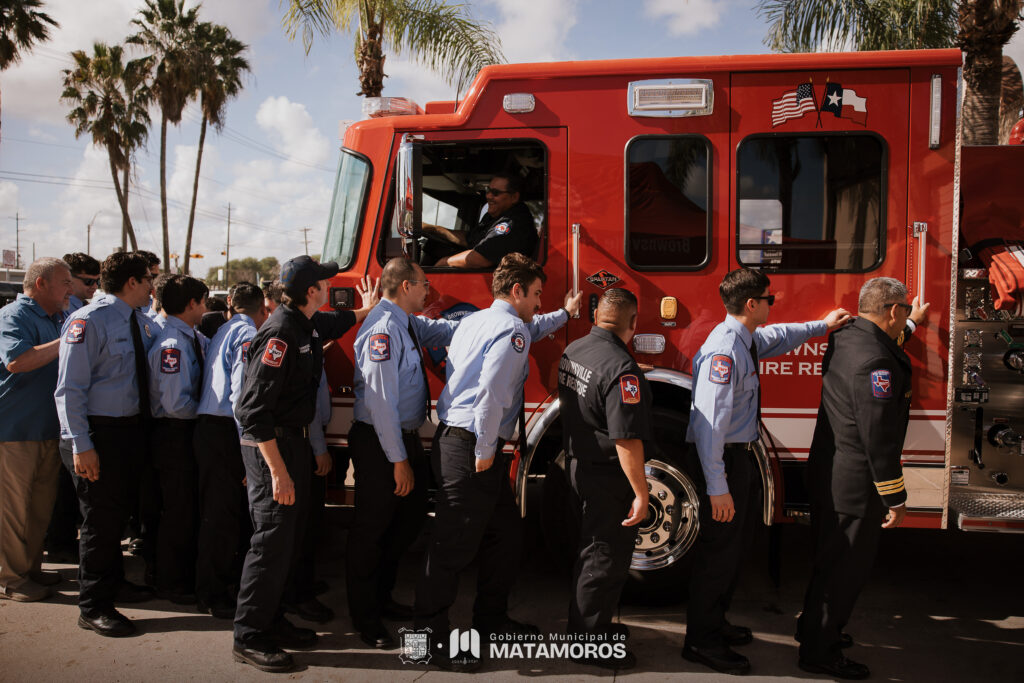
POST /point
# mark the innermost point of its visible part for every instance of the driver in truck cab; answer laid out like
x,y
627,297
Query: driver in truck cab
x,y
506,227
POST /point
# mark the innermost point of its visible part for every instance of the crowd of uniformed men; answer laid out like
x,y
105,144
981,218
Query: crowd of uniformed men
x,y
211,450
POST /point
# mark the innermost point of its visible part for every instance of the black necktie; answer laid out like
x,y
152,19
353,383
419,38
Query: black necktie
x,y
141,375
757,371
423,370
199,351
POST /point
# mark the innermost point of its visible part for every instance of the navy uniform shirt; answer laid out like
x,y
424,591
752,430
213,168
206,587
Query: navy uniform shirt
x,y
603,396
96,374
74,303
175,373
26,398
513,230
389,389
225,366
725,386
488,362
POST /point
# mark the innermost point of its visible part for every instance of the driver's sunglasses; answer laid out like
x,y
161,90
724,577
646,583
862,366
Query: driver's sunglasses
x,y
770,298
906,307
425,283
87,281
496,192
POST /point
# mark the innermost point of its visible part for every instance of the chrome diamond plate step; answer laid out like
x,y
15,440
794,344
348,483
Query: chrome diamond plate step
x,y
1000,512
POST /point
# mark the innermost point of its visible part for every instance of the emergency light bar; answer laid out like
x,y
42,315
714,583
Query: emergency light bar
x,y
671,97
376,107
935,113
649,343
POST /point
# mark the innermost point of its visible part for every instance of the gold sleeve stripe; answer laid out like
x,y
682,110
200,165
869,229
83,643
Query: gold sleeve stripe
x,y
898,480
895,488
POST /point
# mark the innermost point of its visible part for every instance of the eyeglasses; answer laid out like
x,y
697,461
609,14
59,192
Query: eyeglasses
x,y
87,281
770,298
906,307
425,283
496,192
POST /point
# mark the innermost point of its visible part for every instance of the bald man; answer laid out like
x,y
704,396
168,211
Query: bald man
x,y
606,409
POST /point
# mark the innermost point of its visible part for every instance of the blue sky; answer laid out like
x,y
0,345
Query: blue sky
x,y
275,161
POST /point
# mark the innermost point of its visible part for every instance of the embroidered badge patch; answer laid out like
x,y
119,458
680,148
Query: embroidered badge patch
x,y
501,229
170,361
721,369
518,342
881,383
629,387
273,355
76,332
380,348
245,351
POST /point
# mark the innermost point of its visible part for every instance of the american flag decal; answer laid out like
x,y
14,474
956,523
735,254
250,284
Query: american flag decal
x,y
793,104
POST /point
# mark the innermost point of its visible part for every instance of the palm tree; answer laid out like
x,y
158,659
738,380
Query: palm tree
x,y
21,26
221,66
135,123
95,89
979,27
168,31
443,37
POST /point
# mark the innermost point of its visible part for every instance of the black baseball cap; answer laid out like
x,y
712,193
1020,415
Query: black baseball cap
x,y
302,272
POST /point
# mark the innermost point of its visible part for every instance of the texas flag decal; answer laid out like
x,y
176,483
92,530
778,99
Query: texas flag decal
x,y
170,361
76,332
273,355
881,384
629,387
380,348
721,369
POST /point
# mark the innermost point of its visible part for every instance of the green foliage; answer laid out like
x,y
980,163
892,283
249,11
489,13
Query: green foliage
x,y
21,26
247,269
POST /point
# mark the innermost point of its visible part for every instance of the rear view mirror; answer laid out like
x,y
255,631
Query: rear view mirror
x,y
408,179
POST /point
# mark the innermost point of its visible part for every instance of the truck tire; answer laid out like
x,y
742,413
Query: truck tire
x,y
659,572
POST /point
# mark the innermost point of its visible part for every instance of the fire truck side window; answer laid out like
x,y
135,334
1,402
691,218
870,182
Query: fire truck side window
x,y
346,209
668,186
811,202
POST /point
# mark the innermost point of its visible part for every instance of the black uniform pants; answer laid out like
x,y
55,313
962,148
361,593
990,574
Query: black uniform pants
x,y
105,504
606,547
62,534
274,542
225,528
175,465
720,547
385,525
841,568
303,575
476,513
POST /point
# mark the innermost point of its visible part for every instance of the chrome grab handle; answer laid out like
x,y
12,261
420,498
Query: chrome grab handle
x,y
921,235
576,261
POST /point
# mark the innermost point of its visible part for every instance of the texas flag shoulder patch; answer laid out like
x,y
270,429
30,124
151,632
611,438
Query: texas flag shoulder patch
x,y
881,383
76,332
170,361
273,355
501,228
720,369
380,348
629,388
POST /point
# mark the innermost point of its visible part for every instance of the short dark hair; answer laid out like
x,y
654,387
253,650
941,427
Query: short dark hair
x,y
513,182
272,290
81,263
740,285
396,271
215,303
158,289
515,269
617,307
179,291
120,267
151,258
246,298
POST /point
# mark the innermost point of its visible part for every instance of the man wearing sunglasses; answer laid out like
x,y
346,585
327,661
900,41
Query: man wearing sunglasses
x,y
85,278
724,417
506,227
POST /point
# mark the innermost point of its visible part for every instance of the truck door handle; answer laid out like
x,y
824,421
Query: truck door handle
x,y
576,261
921,235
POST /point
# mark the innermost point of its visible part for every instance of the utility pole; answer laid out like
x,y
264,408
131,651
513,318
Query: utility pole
x,y
17,240
227,249
88,233
305,237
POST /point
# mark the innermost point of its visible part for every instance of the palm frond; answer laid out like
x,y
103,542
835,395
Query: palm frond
x,y
310,18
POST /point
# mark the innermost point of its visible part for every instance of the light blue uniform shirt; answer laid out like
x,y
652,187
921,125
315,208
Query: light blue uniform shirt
x,y
225,366
26,398
175,373
74,303
96,364
155,317
388,387
322,416
488,362
724,405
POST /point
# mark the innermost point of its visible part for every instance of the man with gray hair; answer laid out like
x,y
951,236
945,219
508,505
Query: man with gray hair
x,y
29,431
865,404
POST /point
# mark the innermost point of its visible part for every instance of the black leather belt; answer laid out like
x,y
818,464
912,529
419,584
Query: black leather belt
x,y
405,432
217,419
298,432
176,422
458,433
745,446
107,421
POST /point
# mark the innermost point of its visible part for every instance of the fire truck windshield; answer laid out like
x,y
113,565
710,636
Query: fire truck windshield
x,y
346,208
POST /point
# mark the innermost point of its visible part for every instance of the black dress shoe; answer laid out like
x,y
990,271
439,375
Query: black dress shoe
x,y
617,629
311,610
264,657
721,658
845,639
219,608
612,663
45,578
396,611
320,587
736,635
111,624
132,592
840,668
377,636
288,635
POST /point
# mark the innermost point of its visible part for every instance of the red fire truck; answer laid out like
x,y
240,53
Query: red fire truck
x,y
661,175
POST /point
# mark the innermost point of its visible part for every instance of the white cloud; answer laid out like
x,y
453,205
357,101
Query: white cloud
x,y
686,17
8,198
535,31
417,82
1015,49
293,133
